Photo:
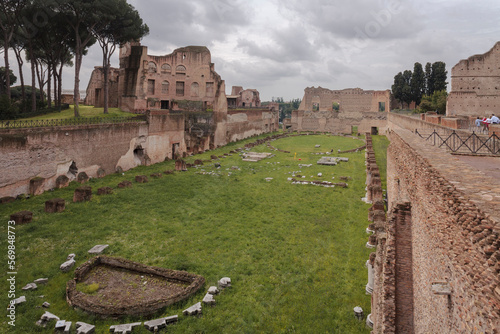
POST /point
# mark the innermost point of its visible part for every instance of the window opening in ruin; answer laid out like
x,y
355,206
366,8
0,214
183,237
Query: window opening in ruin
x,y
195,89
151,87
152,67
73,170
138,154
180,70
165,87
165,104
179,88
381,106
166,68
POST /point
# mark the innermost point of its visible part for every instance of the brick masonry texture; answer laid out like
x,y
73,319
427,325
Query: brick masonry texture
x,y
455,238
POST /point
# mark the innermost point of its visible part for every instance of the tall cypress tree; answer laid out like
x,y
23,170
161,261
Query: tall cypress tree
x,y
417,83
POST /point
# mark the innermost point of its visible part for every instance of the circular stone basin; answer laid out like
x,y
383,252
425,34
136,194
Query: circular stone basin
x,y
110,286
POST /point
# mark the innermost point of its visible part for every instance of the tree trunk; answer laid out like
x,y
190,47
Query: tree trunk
x,y
76,92
6,59
54,78
49,92
33,82
20,63
59,86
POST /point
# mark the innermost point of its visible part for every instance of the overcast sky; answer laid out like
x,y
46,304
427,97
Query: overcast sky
x,y
280,47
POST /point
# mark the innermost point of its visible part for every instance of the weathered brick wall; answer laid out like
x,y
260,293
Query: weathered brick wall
x,y
455,237
245,123
474,85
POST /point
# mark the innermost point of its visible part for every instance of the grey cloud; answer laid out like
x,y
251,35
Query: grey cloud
x,y
382,19
190,22
290,44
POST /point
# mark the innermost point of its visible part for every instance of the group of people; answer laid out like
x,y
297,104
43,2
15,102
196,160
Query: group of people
x,y
486,121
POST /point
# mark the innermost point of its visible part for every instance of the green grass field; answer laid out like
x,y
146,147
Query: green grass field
x,y
296,254
85,111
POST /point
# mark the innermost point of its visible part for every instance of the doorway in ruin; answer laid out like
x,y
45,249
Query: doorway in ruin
x,y
97,100
316,103
175,150
165,104
139,155
381,106
374,131
73,170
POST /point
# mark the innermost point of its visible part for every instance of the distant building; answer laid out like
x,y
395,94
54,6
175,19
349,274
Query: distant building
x,y
243,98
475,85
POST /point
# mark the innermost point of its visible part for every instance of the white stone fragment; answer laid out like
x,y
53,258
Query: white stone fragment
x,y
193,310
213,290
30,286
66,266
209,299
98,249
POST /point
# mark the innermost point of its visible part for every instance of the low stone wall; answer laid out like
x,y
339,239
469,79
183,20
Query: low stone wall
x,y
78,299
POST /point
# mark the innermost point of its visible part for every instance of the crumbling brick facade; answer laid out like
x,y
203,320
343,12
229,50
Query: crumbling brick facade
x,y
475,85
448,233
243,98
357,107
95,88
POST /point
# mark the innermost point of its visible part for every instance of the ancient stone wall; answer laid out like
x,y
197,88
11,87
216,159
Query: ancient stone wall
x,y
337,122
95,88
349,100
48,153
453,237
475,85
244,123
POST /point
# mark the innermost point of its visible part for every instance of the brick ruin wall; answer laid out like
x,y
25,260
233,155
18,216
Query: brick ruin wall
x,y
48,153
441,228
337,122
475,85
95,88
250,122
351,100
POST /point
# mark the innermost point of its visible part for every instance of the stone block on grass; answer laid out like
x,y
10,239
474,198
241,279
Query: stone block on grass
x,y
180,165
98,249
66,266
125,328
55,205
22,217
125,184
157,324
193,310
101,173
82,178
104,191
141,179
209,299
36,186
62,181
84,328
82,194
7,199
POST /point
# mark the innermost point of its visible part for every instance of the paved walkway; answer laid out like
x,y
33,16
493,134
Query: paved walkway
x,y
477,177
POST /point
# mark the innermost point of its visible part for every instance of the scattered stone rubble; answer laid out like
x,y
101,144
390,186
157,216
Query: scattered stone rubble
x,y
333,161
70,262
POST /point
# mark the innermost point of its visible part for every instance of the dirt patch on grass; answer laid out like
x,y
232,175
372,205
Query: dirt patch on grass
x,y
113,287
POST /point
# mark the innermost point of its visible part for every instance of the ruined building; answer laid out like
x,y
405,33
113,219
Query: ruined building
x,y
243,98
357,107
475,85
95,88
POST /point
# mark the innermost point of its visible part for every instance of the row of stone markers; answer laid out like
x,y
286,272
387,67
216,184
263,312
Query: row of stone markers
x,y
376,214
